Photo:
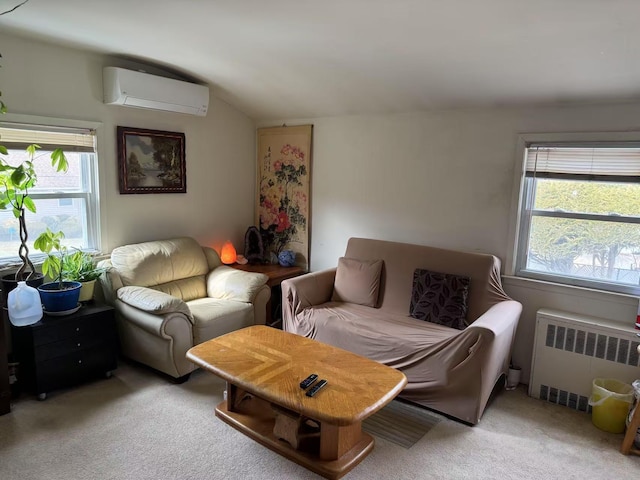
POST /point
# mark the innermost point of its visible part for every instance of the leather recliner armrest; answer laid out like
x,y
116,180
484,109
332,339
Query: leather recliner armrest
x,y
153,301
227,283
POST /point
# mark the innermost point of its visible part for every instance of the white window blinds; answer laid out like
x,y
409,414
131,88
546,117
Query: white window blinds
x,y
18,137
613,163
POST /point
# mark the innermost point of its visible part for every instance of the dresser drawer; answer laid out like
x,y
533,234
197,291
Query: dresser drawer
x,y
74,368
73,345
53,331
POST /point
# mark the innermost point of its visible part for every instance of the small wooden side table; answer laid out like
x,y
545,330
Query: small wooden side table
x,y
627,443
276,274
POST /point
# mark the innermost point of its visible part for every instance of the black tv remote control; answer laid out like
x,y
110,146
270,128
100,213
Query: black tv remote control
x,y
308,381
316,388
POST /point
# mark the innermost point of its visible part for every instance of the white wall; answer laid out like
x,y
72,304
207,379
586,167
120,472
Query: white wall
x,y
439,178
444,179
51,81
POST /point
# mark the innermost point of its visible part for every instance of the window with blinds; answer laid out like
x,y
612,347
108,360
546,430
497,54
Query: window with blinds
x,y
66,201
580,215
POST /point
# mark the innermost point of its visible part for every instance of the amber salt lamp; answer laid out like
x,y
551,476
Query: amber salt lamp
x,y
228,253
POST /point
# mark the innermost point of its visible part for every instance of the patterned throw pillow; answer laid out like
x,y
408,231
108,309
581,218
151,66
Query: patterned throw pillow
x,y
440,298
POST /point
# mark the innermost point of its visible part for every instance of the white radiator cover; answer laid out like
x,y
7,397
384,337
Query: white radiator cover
x,y
570,350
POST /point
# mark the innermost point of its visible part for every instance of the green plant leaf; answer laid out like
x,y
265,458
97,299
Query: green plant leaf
x,y
3,150
18,176
42,243
51,266
59,160
29,204
32,149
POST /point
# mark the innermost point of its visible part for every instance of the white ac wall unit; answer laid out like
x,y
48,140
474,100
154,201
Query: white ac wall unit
x,y
142,90
570,350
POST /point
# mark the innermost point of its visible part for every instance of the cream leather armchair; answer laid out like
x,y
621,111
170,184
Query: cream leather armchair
x,y
173,294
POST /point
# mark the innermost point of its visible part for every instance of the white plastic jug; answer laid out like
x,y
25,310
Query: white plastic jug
x,y
24,305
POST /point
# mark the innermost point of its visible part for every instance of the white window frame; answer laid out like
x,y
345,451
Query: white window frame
x,y
90,178
519,224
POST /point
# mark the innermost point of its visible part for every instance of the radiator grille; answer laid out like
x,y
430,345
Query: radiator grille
x,y
571,350
591,344
562,397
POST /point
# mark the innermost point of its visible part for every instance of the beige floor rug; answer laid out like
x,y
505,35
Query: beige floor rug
x,y
138,426
401,423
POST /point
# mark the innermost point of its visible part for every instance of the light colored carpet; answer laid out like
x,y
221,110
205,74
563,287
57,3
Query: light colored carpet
x,y
401,423
138,426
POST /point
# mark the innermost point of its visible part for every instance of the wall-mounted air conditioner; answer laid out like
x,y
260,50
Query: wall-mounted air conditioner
x,y
142,90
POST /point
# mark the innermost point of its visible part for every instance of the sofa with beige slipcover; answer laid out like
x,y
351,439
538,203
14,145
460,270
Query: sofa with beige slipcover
x,y
367,305
170,295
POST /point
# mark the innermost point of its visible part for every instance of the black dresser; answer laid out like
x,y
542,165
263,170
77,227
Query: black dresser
x,y
59,352
5,388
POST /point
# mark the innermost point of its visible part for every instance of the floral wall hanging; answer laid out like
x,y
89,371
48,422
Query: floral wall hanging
x,y
284,178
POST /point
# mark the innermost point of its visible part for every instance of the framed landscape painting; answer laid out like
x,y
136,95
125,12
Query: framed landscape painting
x,y
151,161
284,179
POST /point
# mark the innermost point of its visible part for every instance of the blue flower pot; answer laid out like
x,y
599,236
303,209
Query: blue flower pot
x,y
56,300
287,258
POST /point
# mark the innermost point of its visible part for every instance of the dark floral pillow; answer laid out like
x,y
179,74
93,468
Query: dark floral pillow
x,y
440,298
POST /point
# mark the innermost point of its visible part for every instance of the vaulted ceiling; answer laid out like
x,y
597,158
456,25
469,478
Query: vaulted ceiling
x,y
297,58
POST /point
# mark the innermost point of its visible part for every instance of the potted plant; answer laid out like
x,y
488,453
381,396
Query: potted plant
x,y
81,267
15,183
59,296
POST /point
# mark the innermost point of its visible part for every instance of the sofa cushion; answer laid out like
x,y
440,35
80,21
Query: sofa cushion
x,y
156,263
394,339
357,281
185,288
214,317
440,298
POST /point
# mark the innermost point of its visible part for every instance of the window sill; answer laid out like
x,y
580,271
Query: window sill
x,y
572,290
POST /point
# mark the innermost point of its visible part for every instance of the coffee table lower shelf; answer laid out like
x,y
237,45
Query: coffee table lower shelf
x,y
257,419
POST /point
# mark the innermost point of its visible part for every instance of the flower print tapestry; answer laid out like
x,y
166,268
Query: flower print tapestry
x,y
284,161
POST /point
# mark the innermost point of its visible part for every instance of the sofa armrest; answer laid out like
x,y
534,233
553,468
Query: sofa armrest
x,y
260,303
228,283
153,301
499,323
160,325
157,340
467,364
502,318
110,281
305,291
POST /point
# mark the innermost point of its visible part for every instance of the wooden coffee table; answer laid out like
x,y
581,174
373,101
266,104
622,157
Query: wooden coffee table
x,y
263,368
